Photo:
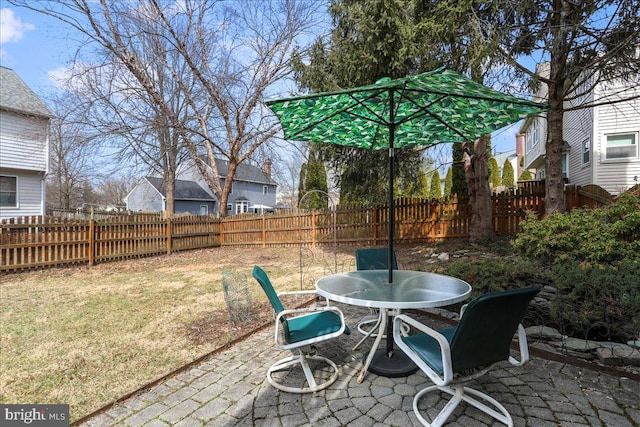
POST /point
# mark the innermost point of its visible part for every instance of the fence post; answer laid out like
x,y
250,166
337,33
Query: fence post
x,y
314,230
264,231
92,241
168,235
376,220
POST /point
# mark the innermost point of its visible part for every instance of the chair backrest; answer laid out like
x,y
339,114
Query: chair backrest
x,y
262,278
487,327
374,259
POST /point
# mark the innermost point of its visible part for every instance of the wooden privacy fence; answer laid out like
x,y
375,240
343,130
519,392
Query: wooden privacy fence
x,y
36,242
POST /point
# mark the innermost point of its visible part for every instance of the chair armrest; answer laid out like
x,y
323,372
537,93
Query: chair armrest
x,y
306,311
524,348
445,349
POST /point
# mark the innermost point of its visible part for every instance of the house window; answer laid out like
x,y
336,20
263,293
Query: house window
x,y
229,207
265,189
621,146
231,191
8,191
533,135
242,207
586,151
565,166
204,210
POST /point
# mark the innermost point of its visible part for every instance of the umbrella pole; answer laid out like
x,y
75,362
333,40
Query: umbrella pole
x,y
391,212
392,131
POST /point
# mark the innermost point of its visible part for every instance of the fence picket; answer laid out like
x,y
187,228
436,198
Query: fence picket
x,y
37,242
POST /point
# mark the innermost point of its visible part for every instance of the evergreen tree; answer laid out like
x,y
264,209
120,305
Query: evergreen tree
x,y
448,183
370,40
458,179
315,182
435,191
494,172
525,176
507,174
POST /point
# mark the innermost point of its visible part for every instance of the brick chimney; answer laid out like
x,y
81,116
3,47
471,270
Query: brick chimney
x,y
267,168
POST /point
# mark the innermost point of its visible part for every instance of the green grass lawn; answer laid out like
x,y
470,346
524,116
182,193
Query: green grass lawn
x,y
86,336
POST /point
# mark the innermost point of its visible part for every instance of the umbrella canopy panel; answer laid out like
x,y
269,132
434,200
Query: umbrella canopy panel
x,y
426,109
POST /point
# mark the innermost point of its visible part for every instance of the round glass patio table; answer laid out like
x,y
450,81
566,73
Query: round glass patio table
x,y
410,290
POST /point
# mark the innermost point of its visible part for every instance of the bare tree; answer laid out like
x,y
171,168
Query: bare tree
x,y
232,52
71,145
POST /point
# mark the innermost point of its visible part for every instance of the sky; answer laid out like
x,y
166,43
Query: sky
x,y
38,48
34,46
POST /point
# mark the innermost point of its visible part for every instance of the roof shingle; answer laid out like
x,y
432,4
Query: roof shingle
x,y
16,96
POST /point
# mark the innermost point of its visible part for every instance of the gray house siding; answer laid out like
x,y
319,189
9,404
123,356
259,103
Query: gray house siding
x,y
145,197
248,185
30,192
194,207
595,126
24,147
150,195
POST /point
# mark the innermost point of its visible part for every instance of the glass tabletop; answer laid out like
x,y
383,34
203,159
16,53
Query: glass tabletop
x,y
410,289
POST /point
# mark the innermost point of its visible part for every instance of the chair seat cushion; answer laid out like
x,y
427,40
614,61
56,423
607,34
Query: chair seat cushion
x,y
314,325
428,349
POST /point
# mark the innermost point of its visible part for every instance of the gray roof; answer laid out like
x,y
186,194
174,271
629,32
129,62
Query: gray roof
x,y
245,172
16,96
185,190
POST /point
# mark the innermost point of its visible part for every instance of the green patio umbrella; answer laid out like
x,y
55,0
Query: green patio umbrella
x,y
426,109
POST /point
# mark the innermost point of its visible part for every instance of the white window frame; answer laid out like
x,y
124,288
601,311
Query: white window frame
x,y
586,151
204,210
17,195
634,138
532,136
242,207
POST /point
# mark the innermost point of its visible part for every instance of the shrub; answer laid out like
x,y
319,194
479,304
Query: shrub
x,y
599,302
601,236
487,275
593,258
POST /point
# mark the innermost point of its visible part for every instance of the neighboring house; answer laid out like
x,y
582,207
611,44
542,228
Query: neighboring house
x,y
24,148
601,142
151,195
253,190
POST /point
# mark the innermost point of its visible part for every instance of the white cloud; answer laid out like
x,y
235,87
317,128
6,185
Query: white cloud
x,y
59,76
11,27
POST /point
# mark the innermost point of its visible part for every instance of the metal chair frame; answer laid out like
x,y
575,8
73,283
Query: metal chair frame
x,y
450,380
300,356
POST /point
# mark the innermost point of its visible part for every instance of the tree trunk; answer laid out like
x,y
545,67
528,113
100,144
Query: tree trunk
x,y
554,182
477,175
169,184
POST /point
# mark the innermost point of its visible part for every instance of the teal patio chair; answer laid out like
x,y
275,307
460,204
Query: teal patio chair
x,y
453,356
297,329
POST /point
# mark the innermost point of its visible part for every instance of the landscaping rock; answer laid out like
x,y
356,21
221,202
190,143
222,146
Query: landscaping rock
x,y
576,345
543,332
443,256
615,354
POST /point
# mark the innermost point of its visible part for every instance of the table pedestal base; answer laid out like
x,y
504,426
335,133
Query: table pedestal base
x,y
398,365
